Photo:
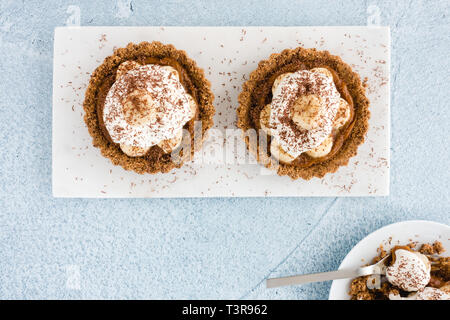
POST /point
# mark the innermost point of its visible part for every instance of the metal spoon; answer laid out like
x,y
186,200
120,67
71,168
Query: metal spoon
x,y
378,268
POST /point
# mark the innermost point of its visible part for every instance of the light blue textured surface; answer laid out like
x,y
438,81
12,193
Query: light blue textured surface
x,y
206,248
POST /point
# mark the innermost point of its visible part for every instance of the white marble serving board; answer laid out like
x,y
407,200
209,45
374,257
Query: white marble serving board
x,y
228,55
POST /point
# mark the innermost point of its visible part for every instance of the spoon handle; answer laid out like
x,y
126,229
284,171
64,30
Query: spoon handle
x,y
314,277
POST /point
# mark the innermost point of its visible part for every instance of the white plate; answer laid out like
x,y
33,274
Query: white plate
x,y
228,55
400,233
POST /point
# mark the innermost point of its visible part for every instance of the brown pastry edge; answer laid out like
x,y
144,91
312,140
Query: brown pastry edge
x,y
160,50
356,89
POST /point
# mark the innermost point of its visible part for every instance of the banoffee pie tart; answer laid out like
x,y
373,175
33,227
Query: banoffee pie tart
x,y
145,102
309,110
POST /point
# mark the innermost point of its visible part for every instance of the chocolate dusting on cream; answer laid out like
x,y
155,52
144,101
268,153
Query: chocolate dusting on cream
x,y
256,94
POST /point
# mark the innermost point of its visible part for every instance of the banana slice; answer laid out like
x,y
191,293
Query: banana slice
x,y
172,70
278,80
278,153
171,144
307,111
324,71
322,150
125,67
133,151
264,119
343,114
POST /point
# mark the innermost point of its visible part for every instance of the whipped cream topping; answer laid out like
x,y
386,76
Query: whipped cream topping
x,y
410,270
303,108
427,293
146,105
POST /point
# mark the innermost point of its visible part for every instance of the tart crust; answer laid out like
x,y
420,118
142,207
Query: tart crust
x,y
156,52
308,59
